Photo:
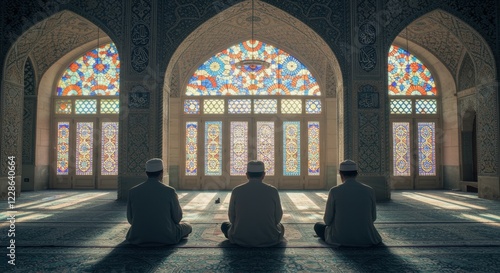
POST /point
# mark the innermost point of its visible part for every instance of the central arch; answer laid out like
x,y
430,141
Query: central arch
x,y
231,27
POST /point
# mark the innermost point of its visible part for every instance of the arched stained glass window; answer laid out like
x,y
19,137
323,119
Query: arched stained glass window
x,y
220,75
408,75
94,74
86,107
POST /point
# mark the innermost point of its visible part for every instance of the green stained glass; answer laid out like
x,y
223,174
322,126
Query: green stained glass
x,y
64,106
291,106
85,106
213,106
110,106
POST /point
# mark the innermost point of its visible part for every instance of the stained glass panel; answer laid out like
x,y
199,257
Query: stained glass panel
x,y
265,106
239,106
191,148
239,147
291,148
291,106
94,74
85,106
426,148
401,106
313,106
84,147
62,148
192,106
64,106
213,148
265,145
221,76
213,106
110,106
407,74
401,148
313,148
109,148
426,106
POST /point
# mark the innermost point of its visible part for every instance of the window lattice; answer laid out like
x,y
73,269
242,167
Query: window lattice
x,y
313,148
265,145
426,148
401,106
62,148
265,106
239,106
213,148
84,147
191,148
401,148
64,106
85,106
239,148
213,107
291,148
426,106
291,106
192,106
109,148
313,106
110,106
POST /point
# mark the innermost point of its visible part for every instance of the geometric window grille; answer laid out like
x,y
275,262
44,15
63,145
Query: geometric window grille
x,y
401,106
62,148
239,106
110,106
213,148
109,148
63,106
213,107
425,106
313,106
291,106
85,106
265,106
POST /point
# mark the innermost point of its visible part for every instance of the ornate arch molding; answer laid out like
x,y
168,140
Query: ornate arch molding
x,y
449,38
44,43
275,27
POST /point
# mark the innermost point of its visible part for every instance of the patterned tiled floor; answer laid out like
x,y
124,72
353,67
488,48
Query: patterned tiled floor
x,y
83,231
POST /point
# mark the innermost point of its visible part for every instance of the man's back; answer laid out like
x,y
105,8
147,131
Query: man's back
x,y
154,213
349,215
255,212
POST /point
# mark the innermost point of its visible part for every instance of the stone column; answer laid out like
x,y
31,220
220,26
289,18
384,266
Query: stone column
x,y
366,110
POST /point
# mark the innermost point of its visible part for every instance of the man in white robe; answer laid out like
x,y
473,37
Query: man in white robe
x,y
254,211
154,212
350,212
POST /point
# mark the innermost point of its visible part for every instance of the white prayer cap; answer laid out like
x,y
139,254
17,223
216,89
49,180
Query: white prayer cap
x,y
348,166
154,165
255,166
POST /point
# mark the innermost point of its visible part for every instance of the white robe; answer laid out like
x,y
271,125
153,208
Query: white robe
x,y
349,215
154,213
255,213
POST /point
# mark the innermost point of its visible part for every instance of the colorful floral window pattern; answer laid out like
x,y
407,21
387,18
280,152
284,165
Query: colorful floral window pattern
x,y
407,75
94,74
62,148
221,76
426,148
401,148
84,147
191,148
239,147
109,148
313,147
265,145
213,148
291,149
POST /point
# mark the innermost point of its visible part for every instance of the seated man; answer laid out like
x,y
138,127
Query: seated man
x,y
154,212
254,211
350,212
